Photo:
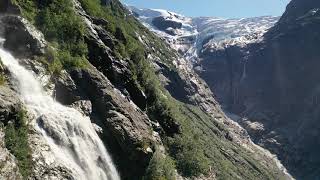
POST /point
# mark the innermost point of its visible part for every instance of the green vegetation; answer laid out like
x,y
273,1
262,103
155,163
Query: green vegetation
x,y
160,105
62,27
226,159
2,79
16,141
196,142
28,8
200,144
160,168
2,75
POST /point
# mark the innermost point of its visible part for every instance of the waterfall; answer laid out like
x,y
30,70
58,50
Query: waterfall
x,y
70,135
244,72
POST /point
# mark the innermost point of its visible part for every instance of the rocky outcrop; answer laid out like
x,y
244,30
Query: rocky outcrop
x,y
9,105
101,56
163,24
126,128
167,25
21,37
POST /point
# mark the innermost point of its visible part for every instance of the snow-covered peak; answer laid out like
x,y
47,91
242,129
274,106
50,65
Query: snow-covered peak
x,y
152,13
149,16
190,36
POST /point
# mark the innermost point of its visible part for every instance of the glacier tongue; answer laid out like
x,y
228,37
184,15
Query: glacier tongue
x,y
70,136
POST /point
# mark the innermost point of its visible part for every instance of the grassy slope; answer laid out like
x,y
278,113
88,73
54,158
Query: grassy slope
x,y
201,145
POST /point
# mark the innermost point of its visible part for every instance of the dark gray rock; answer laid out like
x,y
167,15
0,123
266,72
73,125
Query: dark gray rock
x,y
65,90
83,106
99,21
105,37
163,23
298,8
9,104
21,37
126,127
8,7
101,56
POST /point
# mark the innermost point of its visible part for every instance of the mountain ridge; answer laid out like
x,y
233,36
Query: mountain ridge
x,y
200,33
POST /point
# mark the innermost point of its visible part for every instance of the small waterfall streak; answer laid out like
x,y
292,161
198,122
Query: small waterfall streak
x,y
70,135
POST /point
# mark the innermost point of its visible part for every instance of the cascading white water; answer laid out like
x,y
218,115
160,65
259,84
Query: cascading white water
x,y
69,134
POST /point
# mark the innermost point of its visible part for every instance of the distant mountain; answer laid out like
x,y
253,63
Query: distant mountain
x,y
191,36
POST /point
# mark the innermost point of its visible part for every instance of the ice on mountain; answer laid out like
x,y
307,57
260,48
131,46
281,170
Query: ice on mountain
x,y
201,33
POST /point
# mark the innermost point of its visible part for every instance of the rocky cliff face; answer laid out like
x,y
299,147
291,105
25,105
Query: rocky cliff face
x,y
9,107
272,85
136,118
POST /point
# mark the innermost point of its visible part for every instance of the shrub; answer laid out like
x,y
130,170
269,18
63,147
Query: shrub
x,y
2,79
190,157
16,141
160,168
28,8
62,27
2,75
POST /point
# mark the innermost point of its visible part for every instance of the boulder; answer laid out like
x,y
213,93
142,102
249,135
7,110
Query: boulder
x,y
65,90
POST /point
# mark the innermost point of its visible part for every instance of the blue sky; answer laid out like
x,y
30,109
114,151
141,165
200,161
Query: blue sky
x,y
216,8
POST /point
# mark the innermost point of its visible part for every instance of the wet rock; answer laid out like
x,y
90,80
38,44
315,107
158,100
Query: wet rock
x,y
125,126
22,38
45,166
65,90
9,104
8,7
83,106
